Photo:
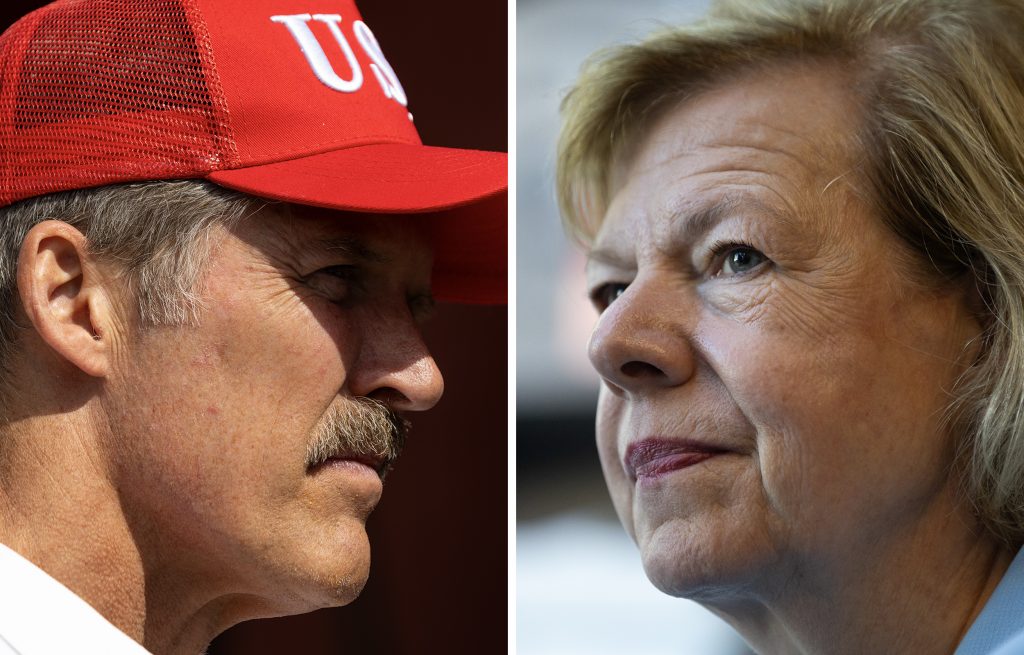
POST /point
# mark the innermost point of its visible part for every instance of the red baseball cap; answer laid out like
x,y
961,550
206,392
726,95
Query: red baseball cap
x,y
267,97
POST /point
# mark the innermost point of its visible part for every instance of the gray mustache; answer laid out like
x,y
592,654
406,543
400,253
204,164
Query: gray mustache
x,y
359,427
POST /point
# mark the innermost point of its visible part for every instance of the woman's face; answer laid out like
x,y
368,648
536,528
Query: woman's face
x,y
775,371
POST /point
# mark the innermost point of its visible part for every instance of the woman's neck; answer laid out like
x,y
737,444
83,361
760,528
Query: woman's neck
x,y
917,592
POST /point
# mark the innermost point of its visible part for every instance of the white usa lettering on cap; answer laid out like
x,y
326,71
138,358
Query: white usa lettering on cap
x,y
298,26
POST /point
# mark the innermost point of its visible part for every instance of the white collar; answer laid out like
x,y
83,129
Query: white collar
x,y
40,616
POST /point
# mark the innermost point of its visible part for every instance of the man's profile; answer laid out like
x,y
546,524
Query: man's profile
x,y
221,236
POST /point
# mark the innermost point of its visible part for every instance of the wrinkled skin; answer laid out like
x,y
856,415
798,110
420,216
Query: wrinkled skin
x,y
184,503
752,301
222,434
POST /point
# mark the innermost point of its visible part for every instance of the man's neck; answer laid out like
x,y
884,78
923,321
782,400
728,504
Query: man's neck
x,y
60,510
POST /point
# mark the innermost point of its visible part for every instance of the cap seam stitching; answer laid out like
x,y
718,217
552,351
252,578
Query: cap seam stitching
x,y
213,82
327,146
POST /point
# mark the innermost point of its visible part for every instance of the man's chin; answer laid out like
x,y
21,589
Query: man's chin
x,y
333,590
330,573
345,591
344,569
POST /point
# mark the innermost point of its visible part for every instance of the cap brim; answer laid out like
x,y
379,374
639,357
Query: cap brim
x,y
463,194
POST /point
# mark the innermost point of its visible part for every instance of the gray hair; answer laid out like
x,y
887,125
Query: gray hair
x,y
156,233
942,90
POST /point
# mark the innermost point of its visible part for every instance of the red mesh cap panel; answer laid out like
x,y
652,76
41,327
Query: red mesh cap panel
x,y
105,91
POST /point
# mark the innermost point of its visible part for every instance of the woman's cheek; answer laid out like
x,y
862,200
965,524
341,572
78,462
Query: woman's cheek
x,y
610,413
742,301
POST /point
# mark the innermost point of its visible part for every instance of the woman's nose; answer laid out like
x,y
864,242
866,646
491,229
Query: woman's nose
x,y
639,344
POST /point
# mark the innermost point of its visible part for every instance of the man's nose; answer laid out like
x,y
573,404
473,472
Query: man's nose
x,y
641,342
396,367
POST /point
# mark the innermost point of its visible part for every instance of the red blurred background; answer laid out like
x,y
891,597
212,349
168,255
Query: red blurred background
x,y
438,582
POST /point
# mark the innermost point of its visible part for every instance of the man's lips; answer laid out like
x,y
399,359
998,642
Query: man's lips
x,y
653,457
376,463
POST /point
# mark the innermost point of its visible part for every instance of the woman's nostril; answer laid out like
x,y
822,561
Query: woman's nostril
x,y
637,369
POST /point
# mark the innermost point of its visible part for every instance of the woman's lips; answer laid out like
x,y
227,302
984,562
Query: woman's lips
x,y
652,458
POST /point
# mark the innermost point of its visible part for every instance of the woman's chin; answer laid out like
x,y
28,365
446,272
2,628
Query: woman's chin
x,y
703,564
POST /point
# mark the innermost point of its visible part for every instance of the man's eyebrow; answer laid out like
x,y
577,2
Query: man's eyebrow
x,y
350,247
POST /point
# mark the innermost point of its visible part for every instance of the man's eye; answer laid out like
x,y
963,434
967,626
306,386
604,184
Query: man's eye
x,y
739,259
423,307
335,282
606,294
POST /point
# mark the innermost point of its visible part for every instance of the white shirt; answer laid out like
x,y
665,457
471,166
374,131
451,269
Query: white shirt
x,y
40,616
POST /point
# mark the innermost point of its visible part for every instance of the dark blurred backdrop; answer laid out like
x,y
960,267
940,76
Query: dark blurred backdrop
x,y
438,583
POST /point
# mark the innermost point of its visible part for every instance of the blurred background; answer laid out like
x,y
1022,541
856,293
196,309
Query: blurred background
x,y
438,582
580,586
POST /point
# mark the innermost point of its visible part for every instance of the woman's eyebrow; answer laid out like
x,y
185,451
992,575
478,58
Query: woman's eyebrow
x,y
695,223
605,256
692,223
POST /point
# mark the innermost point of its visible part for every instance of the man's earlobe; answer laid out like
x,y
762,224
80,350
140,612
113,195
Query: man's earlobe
x,y
64,297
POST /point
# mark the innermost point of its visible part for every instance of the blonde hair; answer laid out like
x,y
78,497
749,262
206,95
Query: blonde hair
x,y
942,133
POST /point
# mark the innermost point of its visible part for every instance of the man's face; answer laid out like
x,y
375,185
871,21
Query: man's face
x,y
213,427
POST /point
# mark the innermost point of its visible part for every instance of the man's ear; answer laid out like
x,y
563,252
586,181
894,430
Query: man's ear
x,y
64,297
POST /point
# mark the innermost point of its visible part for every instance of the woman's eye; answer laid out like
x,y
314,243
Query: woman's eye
x,y
606,294
741,259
